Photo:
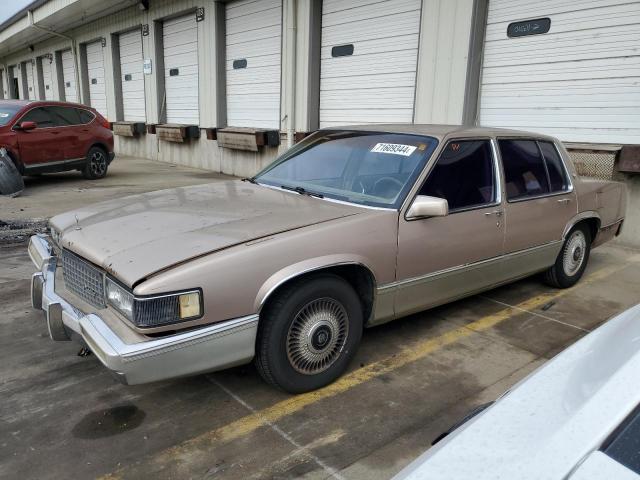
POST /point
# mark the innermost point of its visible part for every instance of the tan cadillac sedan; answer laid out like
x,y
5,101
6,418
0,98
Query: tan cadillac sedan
x,y
351,228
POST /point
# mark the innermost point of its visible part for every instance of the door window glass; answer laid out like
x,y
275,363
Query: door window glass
x,y
85,116
557,174
64,116
40,116
463,175
524,170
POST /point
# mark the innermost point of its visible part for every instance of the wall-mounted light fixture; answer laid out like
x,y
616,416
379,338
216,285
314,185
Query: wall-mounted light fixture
x,y
143,5
31,48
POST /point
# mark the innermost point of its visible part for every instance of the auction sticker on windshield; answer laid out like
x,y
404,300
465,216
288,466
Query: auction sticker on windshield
x,y
394,149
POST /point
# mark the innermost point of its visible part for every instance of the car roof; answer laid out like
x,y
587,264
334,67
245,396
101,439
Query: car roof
x,y
440,131
550,421
25,103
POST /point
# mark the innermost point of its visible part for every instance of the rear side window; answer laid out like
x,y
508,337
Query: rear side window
x,y
64,116
463,175
85,116
524,170
557,174
40,116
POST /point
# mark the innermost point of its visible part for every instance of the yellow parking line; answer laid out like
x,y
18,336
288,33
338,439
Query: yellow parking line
x,y
254,421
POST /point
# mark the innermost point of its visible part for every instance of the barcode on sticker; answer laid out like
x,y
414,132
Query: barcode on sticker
x,y
394,148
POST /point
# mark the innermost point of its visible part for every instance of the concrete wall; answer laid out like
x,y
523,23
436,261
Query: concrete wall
x,y
631,230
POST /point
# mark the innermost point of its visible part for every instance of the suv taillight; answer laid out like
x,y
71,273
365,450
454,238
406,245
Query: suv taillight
x,y
103,121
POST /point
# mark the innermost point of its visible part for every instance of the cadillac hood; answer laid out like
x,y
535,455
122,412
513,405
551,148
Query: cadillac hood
x,y
136,236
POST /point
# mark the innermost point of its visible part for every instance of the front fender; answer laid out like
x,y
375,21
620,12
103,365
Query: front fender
x,y
309,265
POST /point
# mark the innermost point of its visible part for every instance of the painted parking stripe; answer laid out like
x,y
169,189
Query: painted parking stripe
x,y
248,424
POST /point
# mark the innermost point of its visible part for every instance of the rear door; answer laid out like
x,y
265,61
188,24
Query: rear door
x,y
69,131
41,145
540,203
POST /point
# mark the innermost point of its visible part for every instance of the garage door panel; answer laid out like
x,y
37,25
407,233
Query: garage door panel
x,y
255,48
69,76
31,91
507,12
95,74
377,82
180,43
47,79
375,12
132,76
580,78
253,33
373,29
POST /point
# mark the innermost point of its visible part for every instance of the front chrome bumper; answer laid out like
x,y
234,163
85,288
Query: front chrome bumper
x,y
213,347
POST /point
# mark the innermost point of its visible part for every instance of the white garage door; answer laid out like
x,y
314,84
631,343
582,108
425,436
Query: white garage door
x,y
95,75
180,41
47,79
253,52
69,77
580,81
368,61
132,76
31,89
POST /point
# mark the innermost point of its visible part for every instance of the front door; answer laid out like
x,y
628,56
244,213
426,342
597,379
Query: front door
x,y
540,203
41,145
444,258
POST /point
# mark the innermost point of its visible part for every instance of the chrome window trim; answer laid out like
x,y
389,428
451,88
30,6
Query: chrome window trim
x,y
496,172
420,278
19,121
562,160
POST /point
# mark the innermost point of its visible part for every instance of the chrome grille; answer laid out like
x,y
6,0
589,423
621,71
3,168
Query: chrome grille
x,y
83,279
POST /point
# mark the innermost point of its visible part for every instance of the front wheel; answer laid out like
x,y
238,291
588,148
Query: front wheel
x,y
96,165
572,259
309,333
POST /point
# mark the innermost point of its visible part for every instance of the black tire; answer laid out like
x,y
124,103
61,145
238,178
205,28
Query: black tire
x,y
281,357
96,164
567,271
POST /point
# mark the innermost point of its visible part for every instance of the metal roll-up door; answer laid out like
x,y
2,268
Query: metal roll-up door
x,y
253,54
31,89
47,79
180,43
69,77
368,59
132,76
95,75
579,81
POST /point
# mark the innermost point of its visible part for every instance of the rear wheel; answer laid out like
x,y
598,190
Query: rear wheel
x,y
309,332
572,259
96,164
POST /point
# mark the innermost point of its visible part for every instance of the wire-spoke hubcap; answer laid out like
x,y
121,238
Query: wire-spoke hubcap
x,y
317,336
98,163
574,253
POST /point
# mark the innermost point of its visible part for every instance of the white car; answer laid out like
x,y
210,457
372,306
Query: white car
x,y
577,417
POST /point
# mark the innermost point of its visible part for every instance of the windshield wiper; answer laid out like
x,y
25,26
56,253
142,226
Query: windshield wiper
x,y
250,180
302,191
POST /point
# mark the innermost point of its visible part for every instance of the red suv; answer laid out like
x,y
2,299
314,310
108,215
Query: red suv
x,y
44,137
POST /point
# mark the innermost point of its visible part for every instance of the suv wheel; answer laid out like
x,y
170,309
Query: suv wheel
x,y
96,164
309,333
572,259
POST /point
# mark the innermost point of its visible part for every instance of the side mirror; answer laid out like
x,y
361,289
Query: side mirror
x,y
26,126
424,206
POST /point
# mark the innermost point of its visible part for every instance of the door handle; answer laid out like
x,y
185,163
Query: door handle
x,y
497,213
564,200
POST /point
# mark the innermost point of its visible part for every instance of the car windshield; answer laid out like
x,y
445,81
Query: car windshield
x,y
7,112
369,168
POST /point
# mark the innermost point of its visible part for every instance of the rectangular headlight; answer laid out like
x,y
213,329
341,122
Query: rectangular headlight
x,y
119,298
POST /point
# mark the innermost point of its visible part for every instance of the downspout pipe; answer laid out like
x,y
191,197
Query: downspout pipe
x,y
292,18
74,48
